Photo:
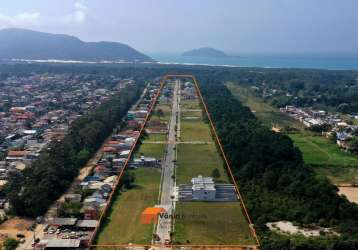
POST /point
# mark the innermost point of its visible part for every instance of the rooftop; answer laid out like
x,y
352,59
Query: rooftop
x,y
201,182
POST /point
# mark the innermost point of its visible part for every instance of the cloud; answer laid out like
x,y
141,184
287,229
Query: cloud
x,y
79,14
19,19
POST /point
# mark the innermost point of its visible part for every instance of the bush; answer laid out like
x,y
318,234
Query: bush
x,y
10,244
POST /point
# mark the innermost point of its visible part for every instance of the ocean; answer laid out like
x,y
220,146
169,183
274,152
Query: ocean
x,y
302,62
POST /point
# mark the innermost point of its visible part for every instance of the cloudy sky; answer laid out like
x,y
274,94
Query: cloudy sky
x,y
236,26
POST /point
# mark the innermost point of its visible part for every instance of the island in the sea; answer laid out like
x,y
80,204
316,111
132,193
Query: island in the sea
x,y
205,52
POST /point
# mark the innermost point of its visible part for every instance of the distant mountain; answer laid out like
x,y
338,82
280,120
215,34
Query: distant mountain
x,y
205,52
28,44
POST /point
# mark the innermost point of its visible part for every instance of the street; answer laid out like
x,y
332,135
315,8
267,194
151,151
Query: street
x,y
168,182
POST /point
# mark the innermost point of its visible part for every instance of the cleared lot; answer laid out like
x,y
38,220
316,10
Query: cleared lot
x,y
195,159
211,223
123,225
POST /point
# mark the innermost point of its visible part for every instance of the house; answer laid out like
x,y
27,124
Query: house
x,y
63,222
133,124
16,155
342,139
90,212
124,154
141,113
129,141
94,201
130,115
119,162
86,225
73,198
59,244
145,162
109,150
204,189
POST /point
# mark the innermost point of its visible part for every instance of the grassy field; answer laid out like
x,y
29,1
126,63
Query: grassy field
x,y
194,130
189,104
195,159
122,224
191,114
156,137
211,223
339,175
318,150
166,108
267,114
325,156
151,150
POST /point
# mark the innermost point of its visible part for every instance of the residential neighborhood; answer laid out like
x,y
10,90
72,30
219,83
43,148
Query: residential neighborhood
x,y
38,109
335,125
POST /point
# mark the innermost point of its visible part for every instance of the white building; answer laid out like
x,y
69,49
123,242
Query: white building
x,y
203,188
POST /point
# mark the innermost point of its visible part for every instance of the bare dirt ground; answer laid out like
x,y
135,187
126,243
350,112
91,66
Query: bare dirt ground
x,y
287,227
14,226
350,192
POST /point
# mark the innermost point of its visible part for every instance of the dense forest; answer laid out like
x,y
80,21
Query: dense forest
x,y
33,191
275,182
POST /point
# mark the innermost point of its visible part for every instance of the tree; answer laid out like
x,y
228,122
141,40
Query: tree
x,y
160,113
10,244
70,209
353,145
216,173
128,179
82,157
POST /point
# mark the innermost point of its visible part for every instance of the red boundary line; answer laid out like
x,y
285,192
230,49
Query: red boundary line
x,y
228,166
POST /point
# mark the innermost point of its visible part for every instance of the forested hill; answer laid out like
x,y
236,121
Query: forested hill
x,y
275,183
28,44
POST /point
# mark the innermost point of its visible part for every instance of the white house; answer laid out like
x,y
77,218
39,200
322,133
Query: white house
x,y
203,188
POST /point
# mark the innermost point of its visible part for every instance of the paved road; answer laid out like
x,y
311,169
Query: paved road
x,y
178,142
168,185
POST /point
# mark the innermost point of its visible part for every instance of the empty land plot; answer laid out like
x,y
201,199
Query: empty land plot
x,y
318,150
211,223
194,130
198,159
161,112
156,137
189,104
151,150
194,113
122,225
339,175
263,111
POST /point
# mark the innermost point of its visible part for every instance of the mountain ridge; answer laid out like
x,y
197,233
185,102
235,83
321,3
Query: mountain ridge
x,y
18,43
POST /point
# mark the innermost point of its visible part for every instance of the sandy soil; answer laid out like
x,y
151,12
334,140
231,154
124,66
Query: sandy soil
x,y
13,226
288,227
350,192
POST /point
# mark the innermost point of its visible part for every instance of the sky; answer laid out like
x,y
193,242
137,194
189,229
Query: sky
x,y
236,26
